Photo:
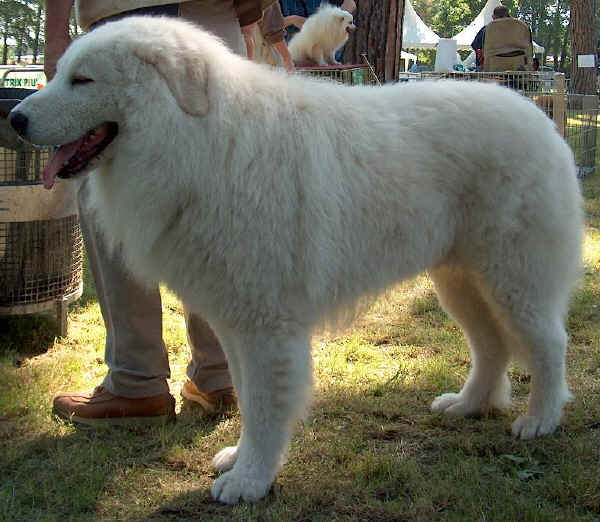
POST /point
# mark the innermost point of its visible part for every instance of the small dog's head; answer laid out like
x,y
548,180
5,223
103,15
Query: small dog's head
x,y
343,22
347,20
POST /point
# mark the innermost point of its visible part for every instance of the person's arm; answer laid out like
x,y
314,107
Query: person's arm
x,y
282,48
272,28
248,11
349,5
248,33
58,13
478,40
295,20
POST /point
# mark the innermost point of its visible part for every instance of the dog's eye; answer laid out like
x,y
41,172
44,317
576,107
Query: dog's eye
x,y
80,80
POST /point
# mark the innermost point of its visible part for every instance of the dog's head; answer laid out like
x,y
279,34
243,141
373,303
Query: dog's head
x,y
343,21
102,81
347,21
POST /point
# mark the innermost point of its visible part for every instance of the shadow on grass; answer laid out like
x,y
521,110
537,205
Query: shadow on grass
x,y
370,453
28,335
34,334
49,477
373,452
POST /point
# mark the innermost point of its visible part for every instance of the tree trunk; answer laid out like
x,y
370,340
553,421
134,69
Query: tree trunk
x,y
378,36
554,47
19,51
583,41
37,29
5,45
563,49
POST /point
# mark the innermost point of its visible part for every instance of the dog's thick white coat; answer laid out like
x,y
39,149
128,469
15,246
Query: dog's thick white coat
x,y
322,34
269,202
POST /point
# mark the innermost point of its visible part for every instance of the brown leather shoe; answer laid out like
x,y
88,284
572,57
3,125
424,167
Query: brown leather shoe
x,y
211,402
102,408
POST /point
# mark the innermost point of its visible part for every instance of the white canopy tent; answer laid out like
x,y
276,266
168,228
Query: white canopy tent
x,y
467,35
415,33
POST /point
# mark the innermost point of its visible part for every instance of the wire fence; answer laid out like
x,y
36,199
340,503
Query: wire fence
x,y
581,131
41,246
358,74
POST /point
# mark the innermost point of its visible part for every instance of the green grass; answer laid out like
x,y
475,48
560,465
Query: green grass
x,y
369,450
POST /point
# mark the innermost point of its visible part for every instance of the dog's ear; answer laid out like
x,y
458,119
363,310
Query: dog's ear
x,y
184,72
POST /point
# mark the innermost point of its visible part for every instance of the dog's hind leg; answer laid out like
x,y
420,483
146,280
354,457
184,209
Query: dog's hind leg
x,y
487,385
532,294
273,384
542,341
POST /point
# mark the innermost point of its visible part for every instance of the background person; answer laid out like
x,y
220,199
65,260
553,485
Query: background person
x,y
477,45
135,388
269,39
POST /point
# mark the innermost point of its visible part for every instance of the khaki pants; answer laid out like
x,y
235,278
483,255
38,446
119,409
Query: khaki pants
x,y
135,352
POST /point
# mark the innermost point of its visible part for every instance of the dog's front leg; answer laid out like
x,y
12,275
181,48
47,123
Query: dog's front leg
x,y
273,380
318,55
332,60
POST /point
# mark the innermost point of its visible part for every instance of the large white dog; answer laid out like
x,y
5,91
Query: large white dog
x,y
270,203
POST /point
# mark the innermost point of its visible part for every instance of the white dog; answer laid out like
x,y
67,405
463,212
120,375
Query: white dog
x,y
321,36
269,202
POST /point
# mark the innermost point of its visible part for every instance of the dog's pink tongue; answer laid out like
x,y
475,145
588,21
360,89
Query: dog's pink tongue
x,y
62,155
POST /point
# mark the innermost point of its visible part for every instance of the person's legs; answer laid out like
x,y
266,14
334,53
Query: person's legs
x,y
136,383
208,367
209,381
135,352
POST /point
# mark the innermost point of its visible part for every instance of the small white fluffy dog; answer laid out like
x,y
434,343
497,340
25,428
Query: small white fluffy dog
x,y
321,36
269,203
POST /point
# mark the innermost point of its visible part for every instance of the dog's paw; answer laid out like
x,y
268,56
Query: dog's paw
x,y
225,459
528,427
456,405
233,487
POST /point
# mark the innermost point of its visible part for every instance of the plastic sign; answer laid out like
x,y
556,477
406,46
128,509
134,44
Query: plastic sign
x,y
25,79
586,60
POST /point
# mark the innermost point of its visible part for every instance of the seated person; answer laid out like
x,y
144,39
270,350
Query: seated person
x,y
504,45
477,45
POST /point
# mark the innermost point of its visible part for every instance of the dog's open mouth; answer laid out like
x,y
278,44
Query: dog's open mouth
x,y
80,155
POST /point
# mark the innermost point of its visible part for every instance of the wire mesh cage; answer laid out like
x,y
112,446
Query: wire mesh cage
x,y
526,82
41,247
581,131
348,74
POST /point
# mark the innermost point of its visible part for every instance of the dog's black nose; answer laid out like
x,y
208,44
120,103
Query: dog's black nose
x,y
18,122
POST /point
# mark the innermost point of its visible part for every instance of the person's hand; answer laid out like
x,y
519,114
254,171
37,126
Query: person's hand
x,y
295,20
286,57
289,65
52,52
349,5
